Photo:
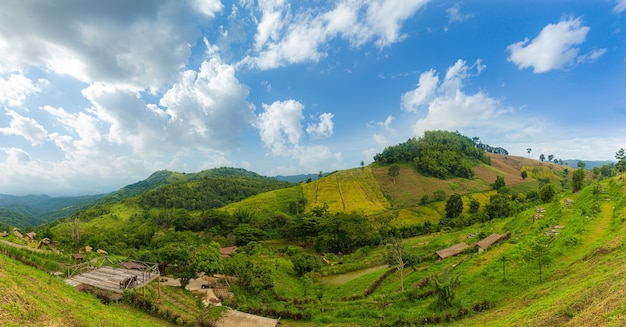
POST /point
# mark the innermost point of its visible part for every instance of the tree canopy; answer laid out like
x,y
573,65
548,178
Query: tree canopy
x,y
440,154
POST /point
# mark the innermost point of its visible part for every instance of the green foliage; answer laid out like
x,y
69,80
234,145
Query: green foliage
x,y
499,183
209,193
454,206
499,206
440,154
445,285
474,205
304,262
577,179
439,195
547,193
253,275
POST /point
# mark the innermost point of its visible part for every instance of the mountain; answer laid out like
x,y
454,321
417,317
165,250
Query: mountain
x,y
589,164
34,210
560,264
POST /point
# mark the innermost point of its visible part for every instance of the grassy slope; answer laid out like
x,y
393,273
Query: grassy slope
x,y
33,298
582,286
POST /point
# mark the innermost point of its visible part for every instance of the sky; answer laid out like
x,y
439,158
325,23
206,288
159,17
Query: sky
x,y
96,95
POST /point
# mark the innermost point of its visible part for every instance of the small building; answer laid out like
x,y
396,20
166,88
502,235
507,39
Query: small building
x,y
30,237
451,251
490,240
17,233
77,257
555,230
228,250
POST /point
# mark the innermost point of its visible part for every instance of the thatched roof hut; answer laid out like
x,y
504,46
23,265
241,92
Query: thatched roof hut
x,y
491,240
451,251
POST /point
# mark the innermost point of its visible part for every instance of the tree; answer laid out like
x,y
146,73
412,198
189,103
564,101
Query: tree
x,y
499,183
499,206
542,157
577,179
454,206
621,161
539,251
207,258
529,150
550,157
580,164
178,256
524,174
547,193
362,164
394,171
474,205
395,251
304,262
445,284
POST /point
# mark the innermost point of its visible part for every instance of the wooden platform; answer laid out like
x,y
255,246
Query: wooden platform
x,y
108,278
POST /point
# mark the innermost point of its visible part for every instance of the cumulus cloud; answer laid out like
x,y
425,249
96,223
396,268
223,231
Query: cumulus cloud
x,y
16,155
281,130
279,125
144,44
322,129
25,127
285,35
15,89
554,47
445,103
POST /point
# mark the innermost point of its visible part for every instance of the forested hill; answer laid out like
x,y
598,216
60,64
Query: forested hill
x,y
440,154
165,177
210,192
34,210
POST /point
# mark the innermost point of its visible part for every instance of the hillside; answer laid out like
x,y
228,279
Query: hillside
x,y
31,297
34,210
351,216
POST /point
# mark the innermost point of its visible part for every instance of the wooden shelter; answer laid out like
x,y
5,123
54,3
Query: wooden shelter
x,y
30,237
227,251
491,240
452,251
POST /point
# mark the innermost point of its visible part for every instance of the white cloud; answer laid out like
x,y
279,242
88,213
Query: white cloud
x,y
447,106
279,125
425,90
455,15
140,43
553,48
15,89
324,128
285,37
591,56
620,6
25,127
16,155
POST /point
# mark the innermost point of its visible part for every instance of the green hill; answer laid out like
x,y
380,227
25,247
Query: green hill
x,y
31,297
560,264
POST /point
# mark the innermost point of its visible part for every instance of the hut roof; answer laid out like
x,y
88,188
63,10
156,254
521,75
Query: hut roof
x,y
228,250
452,251
491,240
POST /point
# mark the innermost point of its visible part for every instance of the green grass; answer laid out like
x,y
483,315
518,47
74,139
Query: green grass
x,y
31,297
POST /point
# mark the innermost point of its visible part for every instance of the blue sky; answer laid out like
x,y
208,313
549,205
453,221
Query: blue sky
x,y
95,95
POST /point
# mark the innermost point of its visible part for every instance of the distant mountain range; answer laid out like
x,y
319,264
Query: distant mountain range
x,y
589,164
34,210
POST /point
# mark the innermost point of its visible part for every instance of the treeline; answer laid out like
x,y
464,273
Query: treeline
x,y
209,193
440,154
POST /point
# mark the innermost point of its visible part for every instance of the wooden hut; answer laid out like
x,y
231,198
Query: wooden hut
x,y
227,251
451,251
491,240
